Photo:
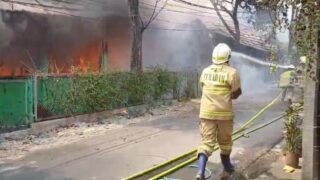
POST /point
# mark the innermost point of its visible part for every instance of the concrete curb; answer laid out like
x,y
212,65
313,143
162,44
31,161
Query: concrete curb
x,y
251,167
15,135
45,126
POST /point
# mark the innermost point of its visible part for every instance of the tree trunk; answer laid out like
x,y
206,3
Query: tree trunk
x,y
291,33
234,15
236,22
137,30
237,28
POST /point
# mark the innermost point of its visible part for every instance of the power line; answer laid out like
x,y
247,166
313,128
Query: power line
x,y
61,9
196,5
145,6
186,24
229,21
39,6
175,29
47,9
213,15
184,12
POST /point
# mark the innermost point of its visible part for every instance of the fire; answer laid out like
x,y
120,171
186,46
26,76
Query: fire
x,y
6,71
86,59
10,70
89,60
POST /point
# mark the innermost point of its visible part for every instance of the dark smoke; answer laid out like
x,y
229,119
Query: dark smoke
x,y
32,36
45,35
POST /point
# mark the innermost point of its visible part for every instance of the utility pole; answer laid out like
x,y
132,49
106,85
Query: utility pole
x,y
317,119
311,122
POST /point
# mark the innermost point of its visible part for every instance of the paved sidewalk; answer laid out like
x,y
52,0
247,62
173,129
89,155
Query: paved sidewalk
x,y
274,170
99,152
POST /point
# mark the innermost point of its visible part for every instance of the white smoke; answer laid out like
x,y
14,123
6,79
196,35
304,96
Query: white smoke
x,y
254,74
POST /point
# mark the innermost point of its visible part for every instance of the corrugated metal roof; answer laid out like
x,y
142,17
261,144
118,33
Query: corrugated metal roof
x,y
76,8
174,14
177,14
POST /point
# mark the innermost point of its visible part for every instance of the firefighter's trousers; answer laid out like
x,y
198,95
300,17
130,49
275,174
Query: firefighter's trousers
x,y
215,131
287,93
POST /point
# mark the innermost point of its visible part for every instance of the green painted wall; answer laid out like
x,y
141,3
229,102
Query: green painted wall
x,y
16,103
60,96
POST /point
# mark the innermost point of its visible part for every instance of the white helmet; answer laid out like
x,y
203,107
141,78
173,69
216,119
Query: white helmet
x,y
221,53
303,59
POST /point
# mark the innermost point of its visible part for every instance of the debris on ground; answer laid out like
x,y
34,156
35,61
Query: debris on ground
x,y
272,166
288,169
14,149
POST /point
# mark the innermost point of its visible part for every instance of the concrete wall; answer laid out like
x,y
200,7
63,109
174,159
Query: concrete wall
x,y
174,40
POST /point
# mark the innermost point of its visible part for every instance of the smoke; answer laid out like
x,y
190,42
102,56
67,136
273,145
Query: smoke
x,y
176,39
5,35
178,48
29,39
31,36
184,43
260,62
254,73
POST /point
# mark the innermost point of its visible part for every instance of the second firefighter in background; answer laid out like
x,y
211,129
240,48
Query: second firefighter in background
x,y
220,84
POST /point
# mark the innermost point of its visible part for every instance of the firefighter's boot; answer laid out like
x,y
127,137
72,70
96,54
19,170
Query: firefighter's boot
x,y
202,162
228,167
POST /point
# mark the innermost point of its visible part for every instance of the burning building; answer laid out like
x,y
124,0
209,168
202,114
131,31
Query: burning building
x,y
58,37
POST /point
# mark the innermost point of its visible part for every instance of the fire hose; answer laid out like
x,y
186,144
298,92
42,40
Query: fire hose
x,y
239,133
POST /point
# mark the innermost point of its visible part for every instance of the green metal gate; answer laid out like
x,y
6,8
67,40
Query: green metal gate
x,y
16,103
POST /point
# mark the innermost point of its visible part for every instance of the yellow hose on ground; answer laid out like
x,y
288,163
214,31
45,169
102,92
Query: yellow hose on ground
x,y
241,129
159,165
193,159
250,121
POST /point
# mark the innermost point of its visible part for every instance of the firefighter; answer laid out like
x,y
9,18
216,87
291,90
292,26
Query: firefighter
x,y
287,83
300,76
301,71
220,84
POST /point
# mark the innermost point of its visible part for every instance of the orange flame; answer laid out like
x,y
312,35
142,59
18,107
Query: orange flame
x,y
87,59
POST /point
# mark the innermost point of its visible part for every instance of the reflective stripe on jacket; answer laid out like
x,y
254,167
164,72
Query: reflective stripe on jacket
x,y
287,78
218,84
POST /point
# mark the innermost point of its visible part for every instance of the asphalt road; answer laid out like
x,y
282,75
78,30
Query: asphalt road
x,y
136,147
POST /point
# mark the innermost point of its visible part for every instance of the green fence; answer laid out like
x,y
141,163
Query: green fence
x,y
16,103
57,96
88,93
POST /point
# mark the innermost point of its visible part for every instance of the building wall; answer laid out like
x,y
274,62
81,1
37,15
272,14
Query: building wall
x,y
55,40
54,43
177,41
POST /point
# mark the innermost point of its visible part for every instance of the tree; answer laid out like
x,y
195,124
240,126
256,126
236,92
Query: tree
x,y
232,9
138,28
305,25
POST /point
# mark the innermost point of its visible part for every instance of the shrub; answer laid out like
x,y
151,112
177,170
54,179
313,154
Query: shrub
x,y
293,133
92,92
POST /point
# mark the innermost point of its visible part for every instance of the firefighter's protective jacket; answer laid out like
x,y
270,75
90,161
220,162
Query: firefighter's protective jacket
x,y
287,79
218,83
